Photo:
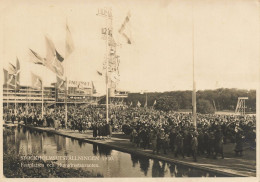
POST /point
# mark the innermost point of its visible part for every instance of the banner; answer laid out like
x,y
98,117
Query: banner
x,y
79,84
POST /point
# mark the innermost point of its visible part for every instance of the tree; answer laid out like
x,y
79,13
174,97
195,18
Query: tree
x,y
205,107
166,103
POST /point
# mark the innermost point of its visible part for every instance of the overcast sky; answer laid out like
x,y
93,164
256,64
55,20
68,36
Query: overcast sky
x,y
226,41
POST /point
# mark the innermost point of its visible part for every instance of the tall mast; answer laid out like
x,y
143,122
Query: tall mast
x,y
107,68
194,115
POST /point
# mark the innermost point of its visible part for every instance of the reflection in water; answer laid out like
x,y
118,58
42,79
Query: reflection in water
x,y
158,168
104,151
134,159
95,149
110,163
144,165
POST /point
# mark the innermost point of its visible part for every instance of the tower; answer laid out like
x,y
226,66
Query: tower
x,y
241,105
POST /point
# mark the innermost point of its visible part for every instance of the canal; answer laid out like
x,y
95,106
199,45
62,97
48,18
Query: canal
x,y
98,159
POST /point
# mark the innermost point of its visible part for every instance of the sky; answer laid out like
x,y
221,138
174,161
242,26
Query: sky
x,y
226,41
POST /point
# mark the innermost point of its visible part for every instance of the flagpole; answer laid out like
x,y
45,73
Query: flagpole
x,y
146,98
8,91
27,101
65,90
107,30
66,106
42,98
15,92
193,75
56,95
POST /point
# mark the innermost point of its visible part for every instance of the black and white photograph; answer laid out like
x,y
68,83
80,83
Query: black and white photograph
x,y
129,89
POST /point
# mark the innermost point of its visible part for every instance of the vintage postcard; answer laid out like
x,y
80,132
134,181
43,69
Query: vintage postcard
x,y
150,90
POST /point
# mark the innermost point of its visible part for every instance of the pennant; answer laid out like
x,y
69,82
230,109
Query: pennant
x,y
154,103
124,28
60,83
36,82
59,57
138,104
69,42
52,60
36,58
99,73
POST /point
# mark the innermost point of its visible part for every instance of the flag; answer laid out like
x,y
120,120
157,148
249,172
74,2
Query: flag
x,y
17,73
69,42
11,76
11,81
36,81
125,29
53,61
36,58
154,103
59,57
60,83
131,104
6,76
11,69
138,104
99,73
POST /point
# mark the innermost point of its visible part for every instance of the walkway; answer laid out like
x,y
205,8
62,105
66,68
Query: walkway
x,y
230,166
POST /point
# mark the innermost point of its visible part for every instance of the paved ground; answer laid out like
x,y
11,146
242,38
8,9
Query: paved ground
x,y
231,165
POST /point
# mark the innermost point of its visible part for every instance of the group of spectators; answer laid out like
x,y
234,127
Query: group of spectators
x,y
148,128
175,132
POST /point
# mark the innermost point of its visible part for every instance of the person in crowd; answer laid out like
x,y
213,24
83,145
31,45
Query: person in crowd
x,y
178,145
194,145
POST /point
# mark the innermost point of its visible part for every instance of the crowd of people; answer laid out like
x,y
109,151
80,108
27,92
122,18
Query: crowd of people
x,y
148,128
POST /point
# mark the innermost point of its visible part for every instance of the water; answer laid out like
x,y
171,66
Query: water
x,y
103,160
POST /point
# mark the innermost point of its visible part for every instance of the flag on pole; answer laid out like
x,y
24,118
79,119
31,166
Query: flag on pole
x,y
125,29
36,81
11,69
59,57
138,104
36,58
131,104
11,76
60,83
11,81
53,60
69,42
99,73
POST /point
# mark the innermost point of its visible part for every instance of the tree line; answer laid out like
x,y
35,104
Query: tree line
x,y
213,100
